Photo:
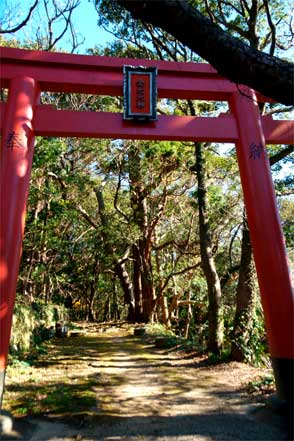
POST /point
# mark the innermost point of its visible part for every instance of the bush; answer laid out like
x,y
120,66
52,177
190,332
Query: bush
x,y
158,330
163,338
31,324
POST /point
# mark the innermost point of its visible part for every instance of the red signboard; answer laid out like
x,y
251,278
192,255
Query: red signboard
x,y
140,93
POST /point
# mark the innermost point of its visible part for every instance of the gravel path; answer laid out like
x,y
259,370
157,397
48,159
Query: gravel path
x,y
147,394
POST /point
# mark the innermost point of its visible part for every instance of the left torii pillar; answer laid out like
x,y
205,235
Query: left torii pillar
x,y
15,170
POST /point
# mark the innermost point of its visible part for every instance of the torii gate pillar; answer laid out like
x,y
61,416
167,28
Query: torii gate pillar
x,y
267,239
15,170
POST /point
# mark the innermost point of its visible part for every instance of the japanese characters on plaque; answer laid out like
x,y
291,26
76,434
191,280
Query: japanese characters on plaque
x,y
140,93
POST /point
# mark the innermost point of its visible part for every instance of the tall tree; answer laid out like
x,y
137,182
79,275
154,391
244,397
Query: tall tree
x,y
215,319
119,264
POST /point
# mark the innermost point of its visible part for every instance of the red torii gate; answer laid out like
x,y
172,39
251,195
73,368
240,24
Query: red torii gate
x,y
27,73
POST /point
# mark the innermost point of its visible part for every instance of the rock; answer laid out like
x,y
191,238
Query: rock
x,y
76,333
6,423
139,331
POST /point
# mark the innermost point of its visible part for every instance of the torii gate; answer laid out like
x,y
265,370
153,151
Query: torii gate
x,y
27,73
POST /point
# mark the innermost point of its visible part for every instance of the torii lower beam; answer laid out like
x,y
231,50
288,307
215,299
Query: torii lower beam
x,y
63,123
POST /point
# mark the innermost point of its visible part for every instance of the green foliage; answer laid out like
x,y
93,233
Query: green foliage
x,y
159,330
258,351
262,385
223,357
253,340
163,337
252,22
20,365
31,325
66,399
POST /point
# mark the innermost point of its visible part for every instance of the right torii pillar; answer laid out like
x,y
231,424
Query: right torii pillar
x,y
267,239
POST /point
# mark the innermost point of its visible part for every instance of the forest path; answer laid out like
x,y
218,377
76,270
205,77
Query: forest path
x,y
114,386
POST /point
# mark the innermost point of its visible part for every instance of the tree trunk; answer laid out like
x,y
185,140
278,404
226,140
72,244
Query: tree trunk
x,y
163,311
215,338
244,300
90,303
126,285
231,57
106,314
137,283
119,267
115,311
148,297
162,306
143,280
189,316
43,247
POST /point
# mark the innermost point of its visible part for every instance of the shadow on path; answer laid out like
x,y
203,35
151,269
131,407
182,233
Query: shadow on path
x,y
114,387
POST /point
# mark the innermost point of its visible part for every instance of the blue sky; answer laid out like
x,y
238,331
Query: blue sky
x,y
84,19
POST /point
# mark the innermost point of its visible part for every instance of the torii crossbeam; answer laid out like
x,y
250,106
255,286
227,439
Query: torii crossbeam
x,y
27,73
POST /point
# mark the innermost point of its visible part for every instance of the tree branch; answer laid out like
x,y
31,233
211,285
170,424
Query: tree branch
x,y
271,25
115,201
158,216
281,155
178,273
230,56
279,110
85,215
23,23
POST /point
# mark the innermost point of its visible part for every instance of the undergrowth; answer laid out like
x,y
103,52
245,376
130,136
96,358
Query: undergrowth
x,y
33,325
166,338
263,385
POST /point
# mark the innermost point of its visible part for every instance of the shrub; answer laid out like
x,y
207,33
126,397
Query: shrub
x,y
31,324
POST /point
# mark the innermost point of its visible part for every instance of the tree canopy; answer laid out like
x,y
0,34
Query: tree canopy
x,y
231,57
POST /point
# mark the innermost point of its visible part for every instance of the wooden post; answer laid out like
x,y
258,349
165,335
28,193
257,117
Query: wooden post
x,y
15,170
267,239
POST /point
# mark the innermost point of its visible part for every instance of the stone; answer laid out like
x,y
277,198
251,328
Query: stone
x,y
6,423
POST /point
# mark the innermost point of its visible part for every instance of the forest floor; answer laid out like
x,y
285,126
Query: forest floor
x,y
114,386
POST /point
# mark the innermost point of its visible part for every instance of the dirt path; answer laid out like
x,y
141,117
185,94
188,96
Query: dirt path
x,y
113,386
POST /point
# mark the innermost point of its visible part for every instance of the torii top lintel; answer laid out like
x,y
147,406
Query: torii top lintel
x,y
61,72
